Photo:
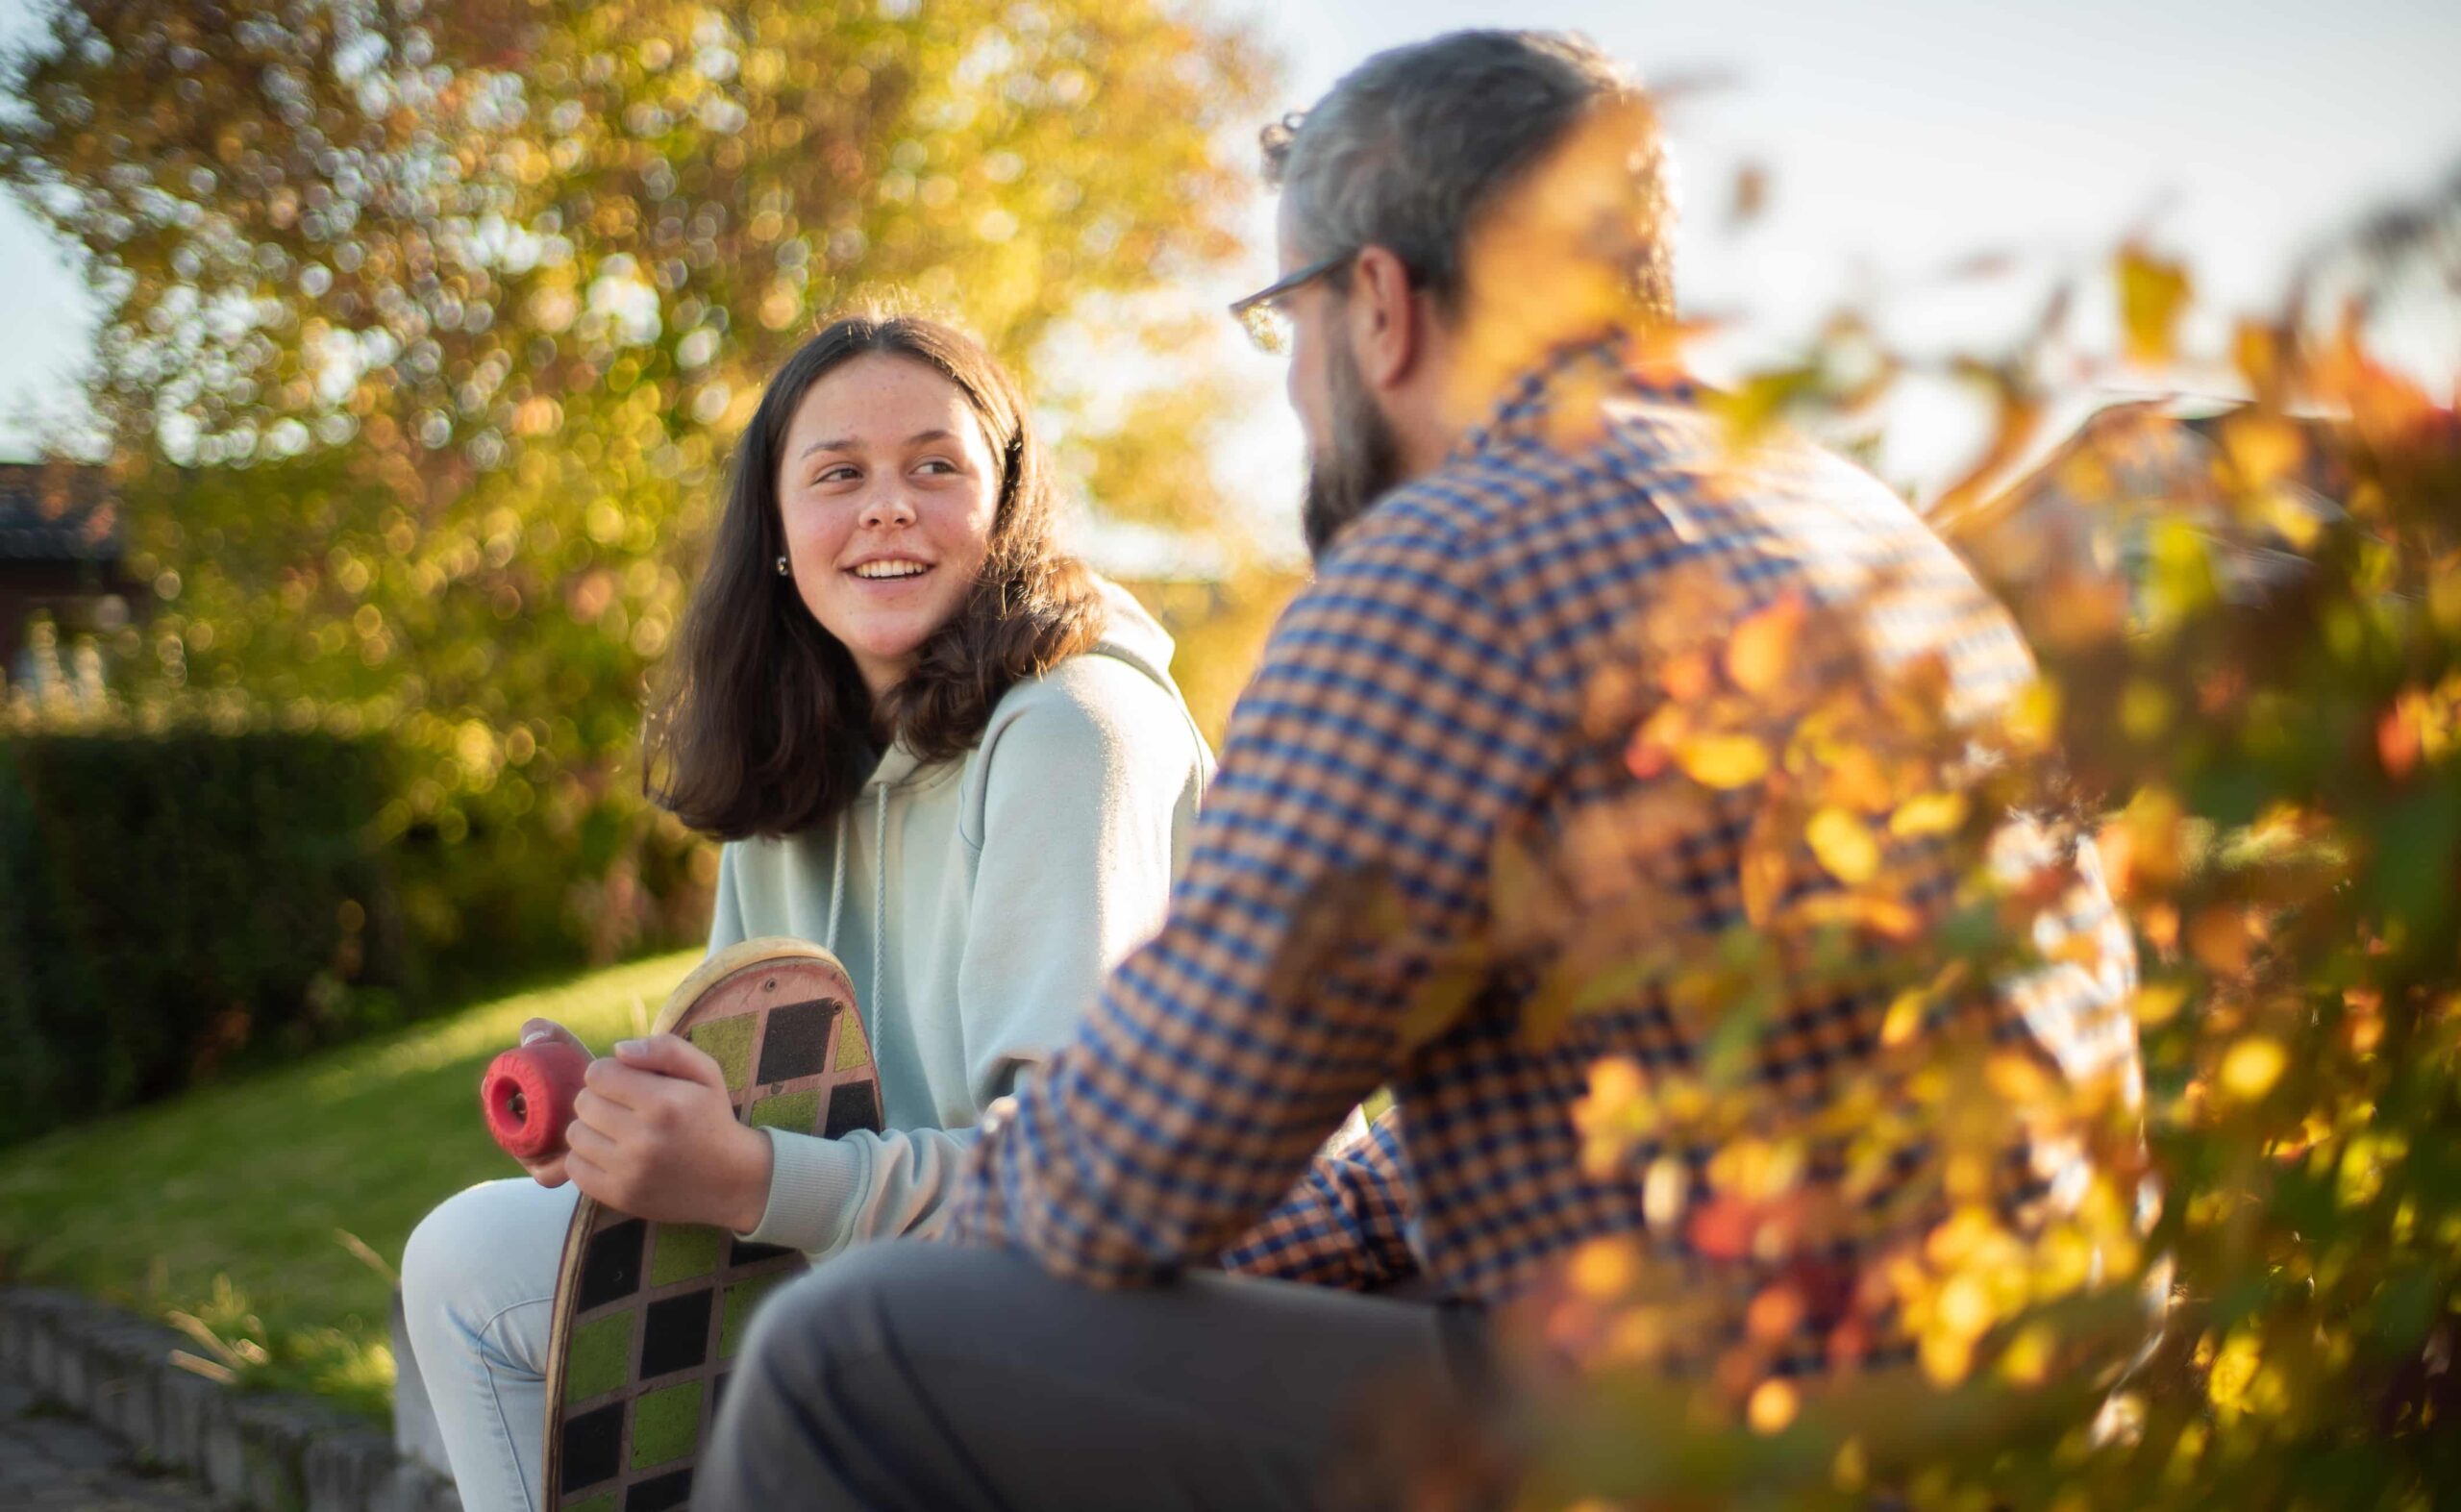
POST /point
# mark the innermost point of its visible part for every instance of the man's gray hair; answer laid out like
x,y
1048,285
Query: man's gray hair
x,y
1411,145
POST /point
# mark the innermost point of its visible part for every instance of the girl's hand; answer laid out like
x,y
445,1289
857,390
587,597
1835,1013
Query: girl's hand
x,y
549,1172
654,1135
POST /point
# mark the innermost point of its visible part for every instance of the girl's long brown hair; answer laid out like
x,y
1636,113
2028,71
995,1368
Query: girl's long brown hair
x,y
761,724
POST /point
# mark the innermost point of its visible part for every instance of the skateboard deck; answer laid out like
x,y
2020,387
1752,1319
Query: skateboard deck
x,y
649,1316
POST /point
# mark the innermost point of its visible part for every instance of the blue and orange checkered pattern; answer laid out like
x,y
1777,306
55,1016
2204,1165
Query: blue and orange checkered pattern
x,y
1420,700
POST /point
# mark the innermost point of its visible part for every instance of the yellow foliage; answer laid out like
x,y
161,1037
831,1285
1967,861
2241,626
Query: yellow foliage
x,y
2252,1067
1723,760
1844,845
2153,294
1773,1406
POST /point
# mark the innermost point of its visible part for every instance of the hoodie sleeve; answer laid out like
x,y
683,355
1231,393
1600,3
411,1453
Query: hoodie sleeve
x,y
1089,779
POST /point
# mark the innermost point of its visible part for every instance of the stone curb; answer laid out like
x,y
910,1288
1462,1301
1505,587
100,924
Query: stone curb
x,y
267,1451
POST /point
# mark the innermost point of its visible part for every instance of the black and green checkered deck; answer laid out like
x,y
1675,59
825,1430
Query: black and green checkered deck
x,y
650,1315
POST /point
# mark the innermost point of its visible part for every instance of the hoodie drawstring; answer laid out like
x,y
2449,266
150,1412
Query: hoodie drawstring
x,y
879,898
880,894
836,889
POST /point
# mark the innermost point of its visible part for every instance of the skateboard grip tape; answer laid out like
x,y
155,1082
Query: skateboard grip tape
x,y
527,1097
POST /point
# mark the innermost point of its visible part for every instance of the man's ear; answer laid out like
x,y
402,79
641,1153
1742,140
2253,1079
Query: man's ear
x,y
1388,325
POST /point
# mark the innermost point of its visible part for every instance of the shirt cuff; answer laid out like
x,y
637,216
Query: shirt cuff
x,y
814,1184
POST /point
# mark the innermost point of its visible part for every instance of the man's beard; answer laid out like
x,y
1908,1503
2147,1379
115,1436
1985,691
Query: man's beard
x,y
1365,465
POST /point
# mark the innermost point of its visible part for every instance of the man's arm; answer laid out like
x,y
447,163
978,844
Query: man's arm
x,y
1392,729
1347,1222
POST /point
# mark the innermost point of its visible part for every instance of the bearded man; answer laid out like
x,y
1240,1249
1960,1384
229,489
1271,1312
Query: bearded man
x,y
1158,1286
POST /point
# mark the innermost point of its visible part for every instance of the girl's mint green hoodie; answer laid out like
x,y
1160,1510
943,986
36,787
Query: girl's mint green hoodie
x,y
977,903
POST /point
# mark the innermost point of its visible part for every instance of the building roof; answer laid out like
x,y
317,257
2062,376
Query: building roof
x,y
2091,501
56,513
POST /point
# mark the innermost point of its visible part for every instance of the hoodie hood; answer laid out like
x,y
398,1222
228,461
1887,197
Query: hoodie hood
x,y
1129,634
1135,636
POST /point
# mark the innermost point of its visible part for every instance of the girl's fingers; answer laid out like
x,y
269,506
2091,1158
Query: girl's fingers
x,y
591,1178
671,1055
536,1030
623,1086
600,1135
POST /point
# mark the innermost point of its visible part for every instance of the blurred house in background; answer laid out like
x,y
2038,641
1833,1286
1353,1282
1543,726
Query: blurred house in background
x,y
60,563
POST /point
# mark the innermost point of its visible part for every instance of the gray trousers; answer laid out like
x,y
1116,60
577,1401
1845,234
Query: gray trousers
x,y
930,1377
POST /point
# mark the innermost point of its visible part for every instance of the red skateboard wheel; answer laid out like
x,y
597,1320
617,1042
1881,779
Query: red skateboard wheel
x,y
527,1096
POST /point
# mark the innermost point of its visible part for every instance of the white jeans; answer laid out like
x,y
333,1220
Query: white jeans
x,y
478,1296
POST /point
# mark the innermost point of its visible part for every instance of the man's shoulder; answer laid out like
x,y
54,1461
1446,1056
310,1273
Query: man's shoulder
x,y
1453,520
1421,548
1479,517
1443,514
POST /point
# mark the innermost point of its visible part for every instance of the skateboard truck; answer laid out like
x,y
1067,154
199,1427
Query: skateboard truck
x,y
527,1097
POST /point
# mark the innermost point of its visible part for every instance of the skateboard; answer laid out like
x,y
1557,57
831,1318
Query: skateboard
x,y
649,1316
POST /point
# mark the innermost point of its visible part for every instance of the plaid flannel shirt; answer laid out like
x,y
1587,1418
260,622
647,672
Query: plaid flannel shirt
x,y
1417,700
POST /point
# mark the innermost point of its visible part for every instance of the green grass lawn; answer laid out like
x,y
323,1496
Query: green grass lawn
x,y
231,1205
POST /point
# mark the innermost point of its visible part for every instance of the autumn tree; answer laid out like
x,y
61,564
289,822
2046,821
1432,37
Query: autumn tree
x,y
429,325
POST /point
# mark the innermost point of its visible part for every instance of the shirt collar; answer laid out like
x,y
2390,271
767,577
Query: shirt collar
x,y
1579,371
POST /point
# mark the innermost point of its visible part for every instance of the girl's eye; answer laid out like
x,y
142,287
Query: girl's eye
x,y
837,474
941,464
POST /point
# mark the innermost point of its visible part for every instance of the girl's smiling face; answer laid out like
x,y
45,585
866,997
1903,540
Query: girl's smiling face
x,y
887,491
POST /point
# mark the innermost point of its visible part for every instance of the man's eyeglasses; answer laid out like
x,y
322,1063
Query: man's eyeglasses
x,y
1262,313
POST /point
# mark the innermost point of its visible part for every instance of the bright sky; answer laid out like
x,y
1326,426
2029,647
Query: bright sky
x,y
1899,137
1902,136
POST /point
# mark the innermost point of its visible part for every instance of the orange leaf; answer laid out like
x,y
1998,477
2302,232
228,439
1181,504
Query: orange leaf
x,y
2080,609
2217,938
1773,1407
1653,747
2079,949
1688,676
2159,923
1604,1268
1721,1227
2256,350
1763,646
2398,739
2262,447
1888,917
1856,781
2115,847
1774,1315
1646,759
1763,873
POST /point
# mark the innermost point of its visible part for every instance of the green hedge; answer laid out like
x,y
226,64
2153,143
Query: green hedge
x,y
172,905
